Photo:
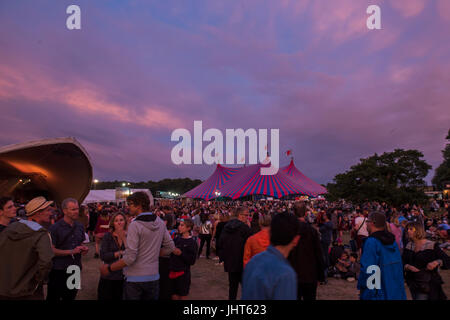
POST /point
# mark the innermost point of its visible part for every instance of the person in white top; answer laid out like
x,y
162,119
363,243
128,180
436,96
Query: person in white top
x,y
360,229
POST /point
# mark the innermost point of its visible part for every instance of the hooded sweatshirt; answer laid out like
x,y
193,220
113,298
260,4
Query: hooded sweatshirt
x,y
26,258
231,243
256,244
381,250
147,236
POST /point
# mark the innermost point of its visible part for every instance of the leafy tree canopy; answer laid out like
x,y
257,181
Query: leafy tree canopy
x,y
394,177
442,173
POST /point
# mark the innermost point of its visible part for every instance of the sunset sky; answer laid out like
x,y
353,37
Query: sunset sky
x,y
137,70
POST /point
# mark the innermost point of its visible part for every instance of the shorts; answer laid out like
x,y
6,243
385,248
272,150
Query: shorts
x,y
180,286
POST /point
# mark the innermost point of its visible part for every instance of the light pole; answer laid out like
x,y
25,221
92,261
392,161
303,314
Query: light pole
x,y
95,183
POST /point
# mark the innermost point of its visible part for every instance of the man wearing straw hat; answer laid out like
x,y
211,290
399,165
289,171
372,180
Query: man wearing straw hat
x,y
26,254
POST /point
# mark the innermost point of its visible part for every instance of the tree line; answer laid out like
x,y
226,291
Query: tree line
x,y
394,177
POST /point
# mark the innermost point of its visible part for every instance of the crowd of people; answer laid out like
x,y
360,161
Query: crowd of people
x,y
273,249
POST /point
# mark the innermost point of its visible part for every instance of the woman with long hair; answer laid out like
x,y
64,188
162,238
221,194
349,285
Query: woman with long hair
x,y
421,260
112,248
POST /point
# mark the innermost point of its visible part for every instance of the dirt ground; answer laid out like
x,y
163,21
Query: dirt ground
x,y
210,282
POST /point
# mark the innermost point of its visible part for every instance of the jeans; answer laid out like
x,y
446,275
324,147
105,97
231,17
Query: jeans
x,y
141,290
110,289
57,286
326,257
205,238
164,281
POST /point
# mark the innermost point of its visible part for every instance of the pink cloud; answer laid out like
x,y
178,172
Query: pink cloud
x,y
409,8
82,97
443,7
339,21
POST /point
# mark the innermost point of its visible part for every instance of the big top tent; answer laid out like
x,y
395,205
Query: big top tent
x,y
292,171
207,189
245,181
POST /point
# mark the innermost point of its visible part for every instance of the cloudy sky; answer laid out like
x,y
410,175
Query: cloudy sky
x,y
137,70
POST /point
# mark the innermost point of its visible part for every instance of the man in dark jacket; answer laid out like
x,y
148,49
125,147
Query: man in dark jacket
x,y
307,258
326,231
26,254
232,243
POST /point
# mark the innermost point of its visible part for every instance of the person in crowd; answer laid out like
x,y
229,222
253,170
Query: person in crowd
x,y
101,229
255,226
422,259
443,232
83,218
163,268
232,243
381,250
335,222
403,222
93,217
336,251
26,254
147,238
67,238
269,275
307,258
181,260
360,230
326,232
197,224
7,212
347,266
354,267
258,242
205,234
395,228
417,216
218,228
110,287
341,224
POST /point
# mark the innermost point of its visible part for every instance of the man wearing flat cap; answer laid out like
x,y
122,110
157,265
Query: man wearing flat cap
x,y
26,254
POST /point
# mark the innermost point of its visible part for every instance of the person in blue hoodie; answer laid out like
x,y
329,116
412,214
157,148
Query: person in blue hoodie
x,y
381,251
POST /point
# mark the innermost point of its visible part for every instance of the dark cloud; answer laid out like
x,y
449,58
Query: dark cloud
x,y
138,70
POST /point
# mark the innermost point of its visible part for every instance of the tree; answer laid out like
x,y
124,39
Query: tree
x,y
394,177
442,172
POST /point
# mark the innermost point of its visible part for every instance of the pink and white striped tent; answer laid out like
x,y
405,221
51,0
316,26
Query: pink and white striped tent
x,y
240,182
292,171
207,189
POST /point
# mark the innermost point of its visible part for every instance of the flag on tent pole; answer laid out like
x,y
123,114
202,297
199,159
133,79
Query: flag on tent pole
x,y
289,152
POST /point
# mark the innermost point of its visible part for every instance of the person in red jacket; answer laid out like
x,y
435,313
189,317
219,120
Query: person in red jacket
x,y
259,241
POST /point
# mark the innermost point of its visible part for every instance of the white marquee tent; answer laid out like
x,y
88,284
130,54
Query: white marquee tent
x,y
109,195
